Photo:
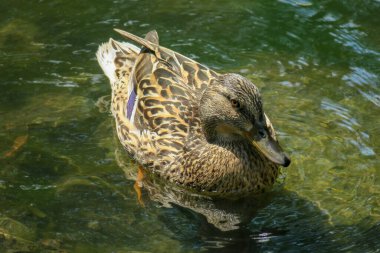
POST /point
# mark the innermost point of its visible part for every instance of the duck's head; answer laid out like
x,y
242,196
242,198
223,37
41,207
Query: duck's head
x,y
231,110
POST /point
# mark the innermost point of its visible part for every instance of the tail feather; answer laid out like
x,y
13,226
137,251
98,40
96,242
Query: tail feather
x,y
152,36
116,59
144,42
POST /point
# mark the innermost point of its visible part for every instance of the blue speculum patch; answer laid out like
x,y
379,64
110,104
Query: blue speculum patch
x,y
131,103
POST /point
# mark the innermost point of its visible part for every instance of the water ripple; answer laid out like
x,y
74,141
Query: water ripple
x,y
345,119
366,82
350,36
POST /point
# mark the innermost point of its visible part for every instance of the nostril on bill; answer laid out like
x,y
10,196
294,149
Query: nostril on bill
x,y
287,161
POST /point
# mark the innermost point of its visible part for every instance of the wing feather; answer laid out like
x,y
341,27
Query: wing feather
x,y
167,87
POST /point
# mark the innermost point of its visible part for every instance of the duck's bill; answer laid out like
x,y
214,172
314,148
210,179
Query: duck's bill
x,y
270,148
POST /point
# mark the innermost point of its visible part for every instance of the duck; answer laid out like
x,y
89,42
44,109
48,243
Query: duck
x,y
187,124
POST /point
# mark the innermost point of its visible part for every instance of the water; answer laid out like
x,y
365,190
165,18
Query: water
x,y
66,186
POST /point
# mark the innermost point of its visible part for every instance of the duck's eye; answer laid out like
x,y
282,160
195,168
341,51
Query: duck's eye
x,y
235,103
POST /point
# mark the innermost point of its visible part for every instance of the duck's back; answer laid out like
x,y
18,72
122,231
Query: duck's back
x,y
156,93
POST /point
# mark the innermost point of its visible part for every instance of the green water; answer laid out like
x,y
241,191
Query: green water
x,y
67,186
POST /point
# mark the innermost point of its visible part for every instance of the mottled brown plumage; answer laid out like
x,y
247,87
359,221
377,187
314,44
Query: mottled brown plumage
x,y
188,124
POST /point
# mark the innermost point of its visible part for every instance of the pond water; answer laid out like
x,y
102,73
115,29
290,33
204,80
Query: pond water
x,y
67,186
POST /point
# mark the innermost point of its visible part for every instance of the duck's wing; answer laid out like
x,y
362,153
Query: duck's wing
x,y
158,106
194,74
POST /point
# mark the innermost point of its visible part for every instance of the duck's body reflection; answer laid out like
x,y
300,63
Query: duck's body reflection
x,y
273,221
223,214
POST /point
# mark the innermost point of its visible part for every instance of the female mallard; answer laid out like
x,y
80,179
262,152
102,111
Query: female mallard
x,y
188,124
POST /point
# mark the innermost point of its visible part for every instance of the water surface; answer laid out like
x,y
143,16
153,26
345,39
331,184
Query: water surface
x,y
67,186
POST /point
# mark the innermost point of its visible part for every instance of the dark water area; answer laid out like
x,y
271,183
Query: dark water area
x,y
66,185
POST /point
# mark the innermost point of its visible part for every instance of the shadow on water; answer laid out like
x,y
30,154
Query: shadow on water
x,y
277,221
